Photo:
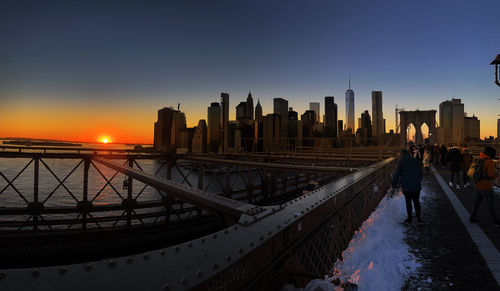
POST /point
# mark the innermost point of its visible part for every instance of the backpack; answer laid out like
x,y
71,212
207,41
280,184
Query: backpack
x,y
475,172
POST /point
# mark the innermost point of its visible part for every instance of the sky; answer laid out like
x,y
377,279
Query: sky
x,y
79,70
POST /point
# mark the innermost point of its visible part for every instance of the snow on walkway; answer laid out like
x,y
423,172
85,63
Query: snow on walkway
x,y
377,257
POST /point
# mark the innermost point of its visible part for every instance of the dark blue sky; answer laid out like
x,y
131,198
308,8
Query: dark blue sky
x,y
149,54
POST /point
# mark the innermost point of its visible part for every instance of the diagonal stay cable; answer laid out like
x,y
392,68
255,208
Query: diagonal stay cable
x,y
61,183
146,185
18,174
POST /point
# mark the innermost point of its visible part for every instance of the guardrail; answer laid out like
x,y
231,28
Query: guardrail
x,y
302,237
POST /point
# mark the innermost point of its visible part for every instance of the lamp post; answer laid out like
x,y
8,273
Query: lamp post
x,y
496,62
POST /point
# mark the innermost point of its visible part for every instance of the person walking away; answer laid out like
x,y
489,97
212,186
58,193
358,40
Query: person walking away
x,y
485,168
444,153
409,175
426,161
466,163
416,154
436,155
454,158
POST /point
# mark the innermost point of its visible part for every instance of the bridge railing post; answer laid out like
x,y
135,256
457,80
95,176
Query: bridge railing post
x,y
86,166
35,192
129,193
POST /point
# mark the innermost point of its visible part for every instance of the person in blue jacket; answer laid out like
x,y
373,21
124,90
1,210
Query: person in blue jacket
x,y
409,175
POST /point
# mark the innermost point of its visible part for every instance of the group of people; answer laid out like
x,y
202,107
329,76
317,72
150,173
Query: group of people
x,y
409,174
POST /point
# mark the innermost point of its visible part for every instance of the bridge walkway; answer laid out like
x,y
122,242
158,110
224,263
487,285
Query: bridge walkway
x,y
451,257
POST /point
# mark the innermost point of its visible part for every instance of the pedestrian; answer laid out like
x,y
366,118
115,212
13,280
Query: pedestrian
x,y
426,161
466,163
409,175
436,155
416,154
484,187
444,152
454,159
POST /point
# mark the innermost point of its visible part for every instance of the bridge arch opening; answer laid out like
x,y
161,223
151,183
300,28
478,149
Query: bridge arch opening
x,y
425,131
410,133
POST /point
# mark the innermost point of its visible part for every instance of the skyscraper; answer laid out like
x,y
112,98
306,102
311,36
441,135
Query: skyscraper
x,y
214,126
167,128
330,119
242,111
224,100
249,105
377,115
349,108
316,107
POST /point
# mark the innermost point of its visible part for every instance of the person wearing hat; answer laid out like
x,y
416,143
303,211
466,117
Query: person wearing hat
x,y
409,175
484,187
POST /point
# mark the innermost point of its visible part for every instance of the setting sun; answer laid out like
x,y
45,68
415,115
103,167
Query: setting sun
x,y
105,140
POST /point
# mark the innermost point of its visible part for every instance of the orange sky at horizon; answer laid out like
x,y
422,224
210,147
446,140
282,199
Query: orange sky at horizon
x,y
125,122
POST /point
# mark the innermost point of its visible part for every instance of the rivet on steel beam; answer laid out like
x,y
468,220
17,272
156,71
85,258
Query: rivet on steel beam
x,y
215,236
190,245
269,232
279,226
295,215
35,273
88,268
240,251
199,274
146,257
202,240
261,237
177,249
228,258
273,209
235,227
226,232
251,244
166,287
111,263
162,253
215,266
302,212
184,280
129,260
245,221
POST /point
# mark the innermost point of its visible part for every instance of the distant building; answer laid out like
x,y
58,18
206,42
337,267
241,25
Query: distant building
x,y
498,129
214,127
330,119
377,114
224,100
472,128
316,107
272,132
258,111
167,128
340,126
349,109
280,107
241,111
249,106
308,123
186,139
199,144
451,120
366,129
292,115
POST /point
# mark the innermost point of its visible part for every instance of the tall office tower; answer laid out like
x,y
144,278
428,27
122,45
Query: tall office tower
x,y
340,125
451,121
249,112
281,107
308,123
330,119
199,144
224,100
214,127
472,128
292,115
258,111
377,115
167,128
316,107
366,126
349,109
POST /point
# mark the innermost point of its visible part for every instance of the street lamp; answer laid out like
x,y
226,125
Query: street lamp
x,y
496,62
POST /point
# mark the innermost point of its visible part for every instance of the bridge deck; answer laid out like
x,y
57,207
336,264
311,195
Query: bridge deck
x,y
449,256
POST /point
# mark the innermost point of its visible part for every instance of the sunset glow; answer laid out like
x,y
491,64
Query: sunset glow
x,y
105,140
